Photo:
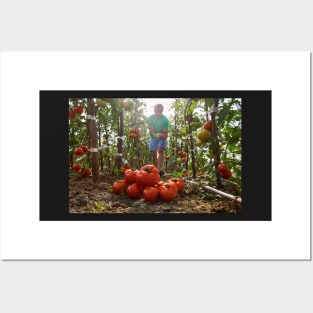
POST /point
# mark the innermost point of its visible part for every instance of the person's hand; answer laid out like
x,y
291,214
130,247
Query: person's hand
x,y
162,136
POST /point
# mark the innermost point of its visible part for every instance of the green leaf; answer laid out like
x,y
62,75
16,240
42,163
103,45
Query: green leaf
x,y
222,114
191,108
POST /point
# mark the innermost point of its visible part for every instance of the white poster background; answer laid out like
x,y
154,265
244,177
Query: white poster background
x,y
24,74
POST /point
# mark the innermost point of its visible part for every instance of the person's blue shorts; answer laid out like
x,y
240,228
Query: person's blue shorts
x,y
156,143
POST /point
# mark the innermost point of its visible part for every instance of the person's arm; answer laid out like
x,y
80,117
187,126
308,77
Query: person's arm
x,y
164,133
152,132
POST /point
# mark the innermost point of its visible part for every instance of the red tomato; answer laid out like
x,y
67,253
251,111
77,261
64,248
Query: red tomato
x,y
79,109
137,132
71,113
150,194
130,176
145,179
118,186
125,167
208,125
86,173
132,135
222,167
148,175
179,182
78,151
168,191
76,167
84,148
160,183
150,168
134,191
225,173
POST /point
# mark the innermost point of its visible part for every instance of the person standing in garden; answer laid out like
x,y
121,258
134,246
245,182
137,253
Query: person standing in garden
x,y
158,125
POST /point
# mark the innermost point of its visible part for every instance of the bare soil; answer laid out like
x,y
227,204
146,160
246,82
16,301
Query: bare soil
x,y
85,197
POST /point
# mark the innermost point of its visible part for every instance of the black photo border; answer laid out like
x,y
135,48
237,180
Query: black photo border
x,y
256,155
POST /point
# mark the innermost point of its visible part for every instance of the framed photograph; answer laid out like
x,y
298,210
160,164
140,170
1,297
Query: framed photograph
x,y
109,143
238,138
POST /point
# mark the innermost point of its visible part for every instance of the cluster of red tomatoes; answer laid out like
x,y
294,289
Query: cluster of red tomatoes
x,y
134,133
80,151
182,157
84,172
224,171
146,183
77,110
204,134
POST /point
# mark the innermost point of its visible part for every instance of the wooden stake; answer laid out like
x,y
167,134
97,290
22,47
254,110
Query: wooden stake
x,y
91,122
224,194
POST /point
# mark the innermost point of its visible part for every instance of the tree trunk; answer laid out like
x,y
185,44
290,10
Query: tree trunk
x,y
108,148
174,157
93,149
188,117
120,140
99,144
137,150
215,144
193,161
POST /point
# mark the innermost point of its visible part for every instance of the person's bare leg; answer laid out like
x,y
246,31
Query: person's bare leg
x,y
155,158
160,159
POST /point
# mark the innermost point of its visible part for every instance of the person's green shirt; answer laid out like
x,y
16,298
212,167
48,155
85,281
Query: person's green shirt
x,y
158,124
